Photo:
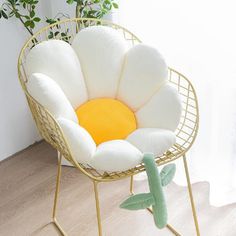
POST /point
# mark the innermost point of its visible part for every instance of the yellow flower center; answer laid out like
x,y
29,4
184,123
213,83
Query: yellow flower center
x,y
106,119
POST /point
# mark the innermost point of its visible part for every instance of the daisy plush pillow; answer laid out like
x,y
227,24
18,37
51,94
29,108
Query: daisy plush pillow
x,y
112,102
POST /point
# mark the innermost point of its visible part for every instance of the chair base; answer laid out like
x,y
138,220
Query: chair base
x,y
168,226
59,227
95,184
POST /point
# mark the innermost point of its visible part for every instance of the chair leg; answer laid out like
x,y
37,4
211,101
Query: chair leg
x,y
56,197
191,196
57,186
95,185
131,187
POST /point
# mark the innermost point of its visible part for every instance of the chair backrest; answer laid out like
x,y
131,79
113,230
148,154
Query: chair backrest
x,y
48,126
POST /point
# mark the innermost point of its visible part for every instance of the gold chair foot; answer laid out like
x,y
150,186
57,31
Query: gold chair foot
x,y
59,227
131,187
168,226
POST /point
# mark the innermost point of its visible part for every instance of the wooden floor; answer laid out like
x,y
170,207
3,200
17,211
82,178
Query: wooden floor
x,y
27,183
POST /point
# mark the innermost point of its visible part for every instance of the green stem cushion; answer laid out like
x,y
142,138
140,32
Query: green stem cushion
x,y
156,197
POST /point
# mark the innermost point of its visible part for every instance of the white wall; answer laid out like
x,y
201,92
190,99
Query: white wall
x,y
17,129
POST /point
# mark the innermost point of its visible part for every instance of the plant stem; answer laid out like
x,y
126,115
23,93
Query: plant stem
x,y
25,26
21,20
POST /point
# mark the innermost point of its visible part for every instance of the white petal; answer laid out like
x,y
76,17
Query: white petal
x,y
152,140
162,111
57,59
47,92
116,155
144,73
79,140
101,51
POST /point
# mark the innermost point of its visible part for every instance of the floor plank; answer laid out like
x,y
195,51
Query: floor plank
x,y
27,183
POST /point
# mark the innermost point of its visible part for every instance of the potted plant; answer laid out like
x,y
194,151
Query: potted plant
x,y
93,8
25,11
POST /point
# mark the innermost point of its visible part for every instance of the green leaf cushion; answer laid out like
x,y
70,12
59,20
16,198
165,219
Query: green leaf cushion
x,y
167,174
138,201
154,181
156,197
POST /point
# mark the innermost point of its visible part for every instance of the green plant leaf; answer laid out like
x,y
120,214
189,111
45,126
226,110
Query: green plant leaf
x,y
138,201
115,5
50,36
32,24
36,19
11,14
32,14
107,5
70,1
12,2
167,174
51,21
17,15
27,23
4,15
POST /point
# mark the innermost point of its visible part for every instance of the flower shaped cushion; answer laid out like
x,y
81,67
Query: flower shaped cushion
x,y
112,102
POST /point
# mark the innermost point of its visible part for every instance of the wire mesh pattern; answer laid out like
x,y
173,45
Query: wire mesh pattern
x,y
50,129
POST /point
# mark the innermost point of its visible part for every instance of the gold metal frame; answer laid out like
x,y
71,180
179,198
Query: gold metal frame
x,y
52,133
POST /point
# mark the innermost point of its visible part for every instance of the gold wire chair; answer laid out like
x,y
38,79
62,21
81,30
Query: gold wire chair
x,y
52,133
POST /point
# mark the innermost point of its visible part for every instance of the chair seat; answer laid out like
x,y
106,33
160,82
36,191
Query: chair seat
x,y
121,155
115,155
